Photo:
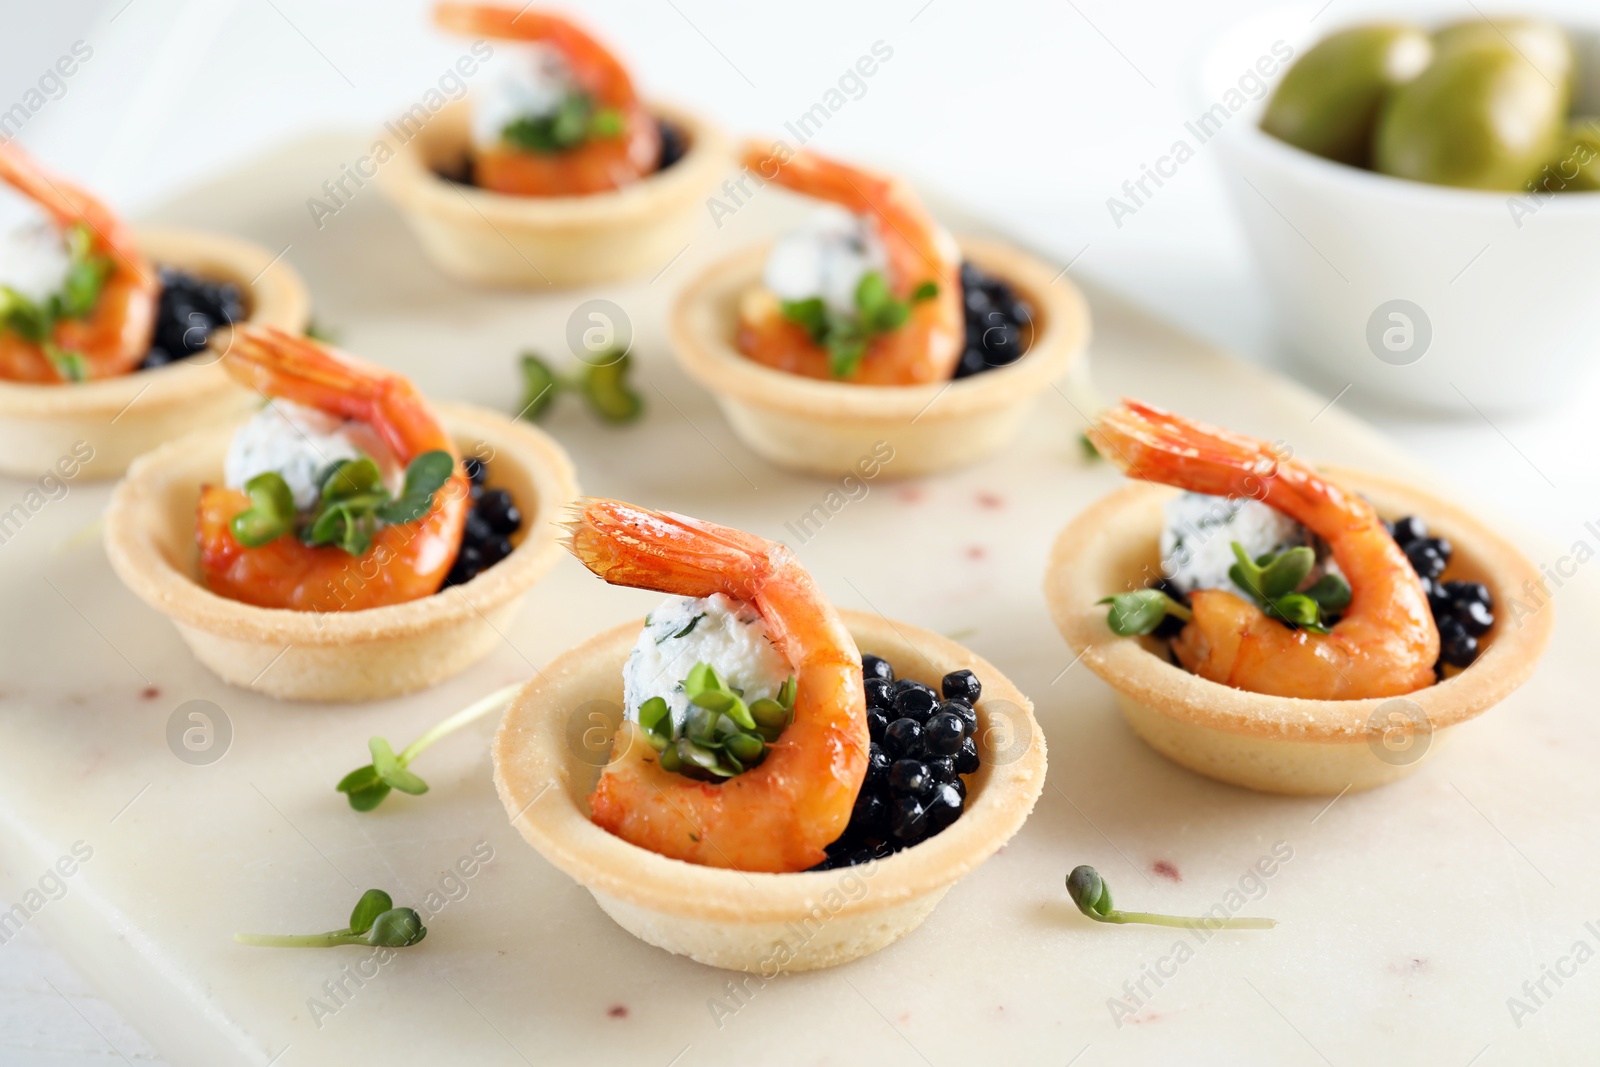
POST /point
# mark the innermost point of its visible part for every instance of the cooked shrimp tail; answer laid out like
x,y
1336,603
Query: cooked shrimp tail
x,y
926,347
1384,644
780,815
411,559
114,336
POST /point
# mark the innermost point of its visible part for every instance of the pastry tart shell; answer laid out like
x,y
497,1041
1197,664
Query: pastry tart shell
x,y
1279,744
764,923
827,427
336,656
123,417
531,242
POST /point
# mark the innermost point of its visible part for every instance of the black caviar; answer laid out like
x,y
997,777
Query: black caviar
x,y
486,537
674,145
190,308
921,747
1463,611
999,322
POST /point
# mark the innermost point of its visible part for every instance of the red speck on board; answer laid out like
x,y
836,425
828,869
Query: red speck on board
x,y
911,494
991,500
1166,870
618,1011
150,692
977,552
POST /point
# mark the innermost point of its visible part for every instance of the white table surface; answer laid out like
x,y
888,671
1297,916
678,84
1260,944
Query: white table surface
x,y
1058,104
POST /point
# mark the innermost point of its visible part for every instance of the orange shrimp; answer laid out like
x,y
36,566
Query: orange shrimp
x,y
114,337
1386,642
406,561
927,346
781,814
598,164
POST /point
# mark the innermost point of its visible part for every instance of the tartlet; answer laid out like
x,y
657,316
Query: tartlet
x,y
491,239
336,656
123,417
748,921
827,427
1279,744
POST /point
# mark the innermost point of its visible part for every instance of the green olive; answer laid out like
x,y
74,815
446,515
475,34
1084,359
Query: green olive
x,y
1480,117
1574,165
1541,43
1328,102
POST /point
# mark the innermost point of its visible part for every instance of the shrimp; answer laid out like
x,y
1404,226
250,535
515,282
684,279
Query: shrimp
x,y
781,814
927,346
114,336
1386,642
406,561
599,163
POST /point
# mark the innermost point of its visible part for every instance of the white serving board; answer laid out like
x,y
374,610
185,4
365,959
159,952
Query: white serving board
x,y
1409,915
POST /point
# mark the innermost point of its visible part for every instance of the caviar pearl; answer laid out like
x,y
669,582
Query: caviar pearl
x,y
188,310
913,700
903,738
485,536
907,819
943,808
1463,611
996,319
961,685
909,776
943,734
920,748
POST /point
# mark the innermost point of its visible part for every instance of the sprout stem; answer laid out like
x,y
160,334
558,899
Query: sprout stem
x,y
461,718
1205,922
332,937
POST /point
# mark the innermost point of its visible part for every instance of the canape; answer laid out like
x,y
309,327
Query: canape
x,y
757,808
107,331
335,546
1287,628
555,172
871,324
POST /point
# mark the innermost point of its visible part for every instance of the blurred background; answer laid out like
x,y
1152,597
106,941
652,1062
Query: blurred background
x,y
1032,114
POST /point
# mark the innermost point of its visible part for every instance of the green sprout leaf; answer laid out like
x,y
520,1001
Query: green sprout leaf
x,y
846,338
573,122
539,387
605,387
367,786
1141,611
721,736
1331,592
375,921
425,476
1271,579
373,903
270,514
1093,897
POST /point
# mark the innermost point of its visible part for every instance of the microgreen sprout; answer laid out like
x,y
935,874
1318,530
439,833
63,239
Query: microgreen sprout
x,y
353,503
722,735
603,386
846,337
575,121
365,787
1273,578
1141,611
375,921
1093,897
87,271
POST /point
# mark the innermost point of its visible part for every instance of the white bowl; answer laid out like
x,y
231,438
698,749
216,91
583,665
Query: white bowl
x,y
1503,290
